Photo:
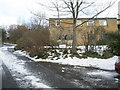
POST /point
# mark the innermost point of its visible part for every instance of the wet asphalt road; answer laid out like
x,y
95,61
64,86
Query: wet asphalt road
x,y
7,79
53,79
65,76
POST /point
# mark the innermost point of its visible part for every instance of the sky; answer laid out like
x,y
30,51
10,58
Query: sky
x,y
19,11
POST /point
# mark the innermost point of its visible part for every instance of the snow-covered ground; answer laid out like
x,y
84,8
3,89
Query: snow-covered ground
x,y
105,64
18,71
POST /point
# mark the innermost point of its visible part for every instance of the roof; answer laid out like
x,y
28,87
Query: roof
x,y
85,18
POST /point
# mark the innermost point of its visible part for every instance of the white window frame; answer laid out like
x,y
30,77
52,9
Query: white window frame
x,y
118,22
78,22
57,22
90,23
103,22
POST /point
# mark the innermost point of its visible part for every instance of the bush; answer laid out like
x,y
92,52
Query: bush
x,y
102,42
107,54
17,47
114,43
91,54
65,51
57,54
54,54
42,54
66,56
17,33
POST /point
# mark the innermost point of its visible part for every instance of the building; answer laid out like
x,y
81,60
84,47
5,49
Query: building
x,y
61,28
118,22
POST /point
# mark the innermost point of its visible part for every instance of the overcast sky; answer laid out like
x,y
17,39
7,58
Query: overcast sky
x,y
17,11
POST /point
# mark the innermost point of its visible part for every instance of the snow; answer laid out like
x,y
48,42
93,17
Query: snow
x,y
105,64
104,74
33,80
16,67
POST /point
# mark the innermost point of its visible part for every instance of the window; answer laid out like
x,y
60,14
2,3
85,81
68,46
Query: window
x,y
118,22
61,37
90,23
68,37
65,37
58,22
103,36
103,22
78,22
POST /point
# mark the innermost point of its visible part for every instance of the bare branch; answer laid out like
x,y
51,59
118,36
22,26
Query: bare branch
x,y
67,5
74,7
86,6
84,12
97,14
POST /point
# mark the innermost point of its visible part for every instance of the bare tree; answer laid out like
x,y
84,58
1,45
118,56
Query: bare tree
x,y
75,7
38,21
17,33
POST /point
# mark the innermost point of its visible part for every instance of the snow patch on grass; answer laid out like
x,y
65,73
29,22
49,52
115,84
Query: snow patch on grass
x,y
106,64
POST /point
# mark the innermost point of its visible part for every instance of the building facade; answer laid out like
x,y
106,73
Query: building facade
x,y
61,29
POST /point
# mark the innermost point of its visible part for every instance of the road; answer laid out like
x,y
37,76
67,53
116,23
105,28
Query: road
x,y
7,79
34,71
60,76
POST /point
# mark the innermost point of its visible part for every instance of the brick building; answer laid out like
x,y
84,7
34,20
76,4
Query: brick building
x,y
61,29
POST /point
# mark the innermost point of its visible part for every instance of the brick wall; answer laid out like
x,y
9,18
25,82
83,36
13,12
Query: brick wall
x,y
62,30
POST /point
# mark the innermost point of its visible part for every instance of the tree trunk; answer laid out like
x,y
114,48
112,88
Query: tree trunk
x,y
74,51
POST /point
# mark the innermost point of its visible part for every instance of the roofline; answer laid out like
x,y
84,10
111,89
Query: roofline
x,y
85,18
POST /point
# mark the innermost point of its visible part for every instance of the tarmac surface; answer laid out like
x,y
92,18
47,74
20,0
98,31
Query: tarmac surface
x,y
53,79
7,79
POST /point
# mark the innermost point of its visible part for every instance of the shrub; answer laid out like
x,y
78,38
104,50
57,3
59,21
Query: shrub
x,y
57,54
32,52
17,33
42,54
66,56
102,42
114,43
78,56
65,51
91,54
107,54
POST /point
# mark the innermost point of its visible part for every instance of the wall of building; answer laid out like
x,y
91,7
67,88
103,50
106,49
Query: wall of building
x,y
65,28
